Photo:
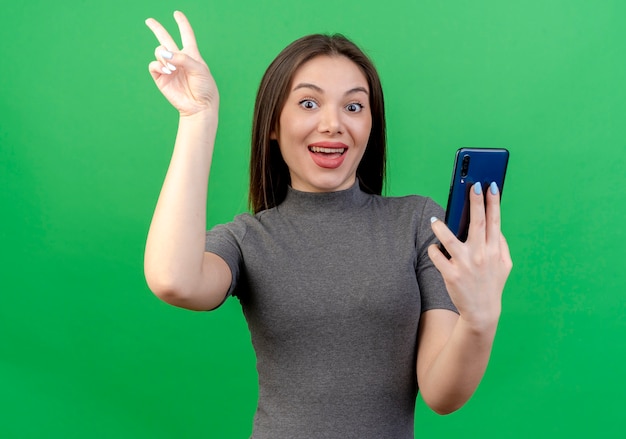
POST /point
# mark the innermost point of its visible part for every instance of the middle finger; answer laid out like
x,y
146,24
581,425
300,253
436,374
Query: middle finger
x,y
493,214
161,34
477,214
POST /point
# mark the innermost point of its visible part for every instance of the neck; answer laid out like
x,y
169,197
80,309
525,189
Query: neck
x,y
312,202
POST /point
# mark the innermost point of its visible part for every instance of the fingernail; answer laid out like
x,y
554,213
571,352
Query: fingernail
x,y
166,71
433,219
171,66
478,188
166,54
493,187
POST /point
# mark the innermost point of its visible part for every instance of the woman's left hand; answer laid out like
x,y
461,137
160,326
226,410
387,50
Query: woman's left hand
x,y
479,267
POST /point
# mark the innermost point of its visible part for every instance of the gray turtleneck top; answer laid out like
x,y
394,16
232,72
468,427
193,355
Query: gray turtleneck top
x,y
332,286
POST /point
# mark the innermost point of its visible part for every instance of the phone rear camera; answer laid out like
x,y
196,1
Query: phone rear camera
x,y
465,165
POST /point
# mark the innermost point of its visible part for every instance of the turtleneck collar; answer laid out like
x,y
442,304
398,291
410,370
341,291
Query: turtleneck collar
x,y
298,201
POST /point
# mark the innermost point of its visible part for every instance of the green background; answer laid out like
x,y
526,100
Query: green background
x,y
86,351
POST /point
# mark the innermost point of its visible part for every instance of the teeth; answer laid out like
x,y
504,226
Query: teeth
x,y
327,150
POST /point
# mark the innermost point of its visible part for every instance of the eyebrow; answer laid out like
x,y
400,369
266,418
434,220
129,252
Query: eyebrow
x,y
319,90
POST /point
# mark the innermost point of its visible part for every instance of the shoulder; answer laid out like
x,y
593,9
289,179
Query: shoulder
x,y
415,206
235,229
242,224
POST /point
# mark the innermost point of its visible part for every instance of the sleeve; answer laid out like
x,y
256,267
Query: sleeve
x,y
434,293
225,240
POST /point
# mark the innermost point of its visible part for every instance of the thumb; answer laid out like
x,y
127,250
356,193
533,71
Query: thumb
x,y
178,59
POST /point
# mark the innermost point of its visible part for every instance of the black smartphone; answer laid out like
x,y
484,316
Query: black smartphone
x,y
472,165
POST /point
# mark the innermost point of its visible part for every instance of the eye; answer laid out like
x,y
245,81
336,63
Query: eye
x,y
308,104
354,107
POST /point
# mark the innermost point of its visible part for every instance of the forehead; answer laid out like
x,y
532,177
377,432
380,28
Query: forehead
x,y
326,71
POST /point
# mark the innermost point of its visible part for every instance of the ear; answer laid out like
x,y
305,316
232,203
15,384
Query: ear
x,y
273,135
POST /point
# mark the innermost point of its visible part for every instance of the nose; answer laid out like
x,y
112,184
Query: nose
x,y
330,121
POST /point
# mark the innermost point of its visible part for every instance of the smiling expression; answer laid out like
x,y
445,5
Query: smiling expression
x,y
325,124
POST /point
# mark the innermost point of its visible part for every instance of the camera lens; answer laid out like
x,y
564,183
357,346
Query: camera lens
x,y
465,165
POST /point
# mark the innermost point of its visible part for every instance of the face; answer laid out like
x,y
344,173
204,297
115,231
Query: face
x,y
325,124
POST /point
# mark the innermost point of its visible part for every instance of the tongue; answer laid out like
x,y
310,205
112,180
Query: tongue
x,y
327,160
330,155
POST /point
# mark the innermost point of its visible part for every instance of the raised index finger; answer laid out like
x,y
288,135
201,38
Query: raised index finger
x,y
161,34
186,32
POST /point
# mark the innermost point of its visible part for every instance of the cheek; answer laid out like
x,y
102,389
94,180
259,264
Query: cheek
x,y
364,131
297,132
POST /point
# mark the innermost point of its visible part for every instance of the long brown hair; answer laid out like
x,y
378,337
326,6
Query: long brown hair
x,y
269,175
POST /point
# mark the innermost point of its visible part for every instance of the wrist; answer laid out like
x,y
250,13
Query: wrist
x,y
483,324
206,115
204,121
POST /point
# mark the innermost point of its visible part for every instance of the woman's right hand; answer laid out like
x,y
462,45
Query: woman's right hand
x,y
182,75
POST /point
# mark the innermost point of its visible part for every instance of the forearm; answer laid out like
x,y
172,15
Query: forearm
x,y
175,245
450,377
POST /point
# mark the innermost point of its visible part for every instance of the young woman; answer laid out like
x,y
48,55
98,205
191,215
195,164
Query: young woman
x,y
350,304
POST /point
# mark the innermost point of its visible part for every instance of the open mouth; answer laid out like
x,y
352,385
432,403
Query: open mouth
x,y
328,155
327,151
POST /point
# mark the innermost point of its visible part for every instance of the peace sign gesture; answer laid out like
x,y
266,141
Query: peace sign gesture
x,y
182,75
